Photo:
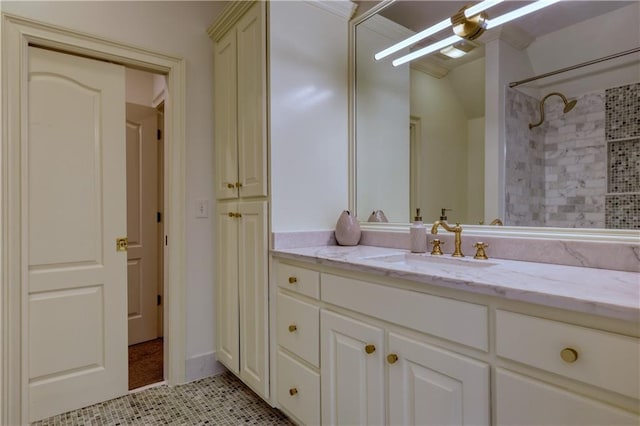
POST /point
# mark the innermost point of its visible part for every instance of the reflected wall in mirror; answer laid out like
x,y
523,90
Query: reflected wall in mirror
x,y
450,133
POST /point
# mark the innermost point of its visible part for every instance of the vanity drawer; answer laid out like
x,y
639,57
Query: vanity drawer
x,y
298,389
300,280
461,322
298,325
607,360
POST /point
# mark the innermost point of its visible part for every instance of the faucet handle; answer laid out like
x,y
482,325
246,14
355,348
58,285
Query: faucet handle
x,y
437,251
480,253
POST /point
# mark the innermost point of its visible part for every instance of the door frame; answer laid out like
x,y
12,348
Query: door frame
x,y
16,34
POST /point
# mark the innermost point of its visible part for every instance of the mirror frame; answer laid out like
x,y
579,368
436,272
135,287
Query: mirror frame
x,y
548,233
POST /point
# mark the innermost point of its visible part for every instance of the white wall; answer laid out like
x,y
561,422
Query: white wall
x,y
139,87
443,148
177,29
601,36
382,120
475,171
309,116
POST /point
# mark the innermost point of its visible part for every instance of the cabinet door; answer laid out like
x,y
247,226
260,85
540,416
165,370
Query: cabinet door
x,y
522,400
252,134
225,110
431,386
252,279
227,325
352,377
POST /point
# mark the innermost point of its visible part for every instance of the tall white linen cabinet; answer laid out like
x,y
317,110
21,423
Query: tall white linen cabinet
x,y
272,61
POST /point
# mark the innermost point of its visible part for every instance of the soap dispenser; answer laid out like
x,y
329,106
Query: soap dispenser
x,y
418,234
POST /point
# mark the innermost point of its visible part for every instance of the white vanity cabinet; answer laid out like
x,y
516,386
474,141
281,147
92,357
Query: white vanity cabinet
x,y
606,360
353,385
298,342
374,373
396,352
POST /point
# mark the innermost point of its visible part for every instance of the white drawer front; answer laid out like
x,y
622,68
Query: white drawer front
x,y
522,400
461,322
607,360
298,325
298,390
300,280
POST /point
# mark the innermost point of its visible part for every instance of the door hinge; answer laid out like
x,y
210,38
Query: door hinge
x,y
159,134
159,300
166,240
159,217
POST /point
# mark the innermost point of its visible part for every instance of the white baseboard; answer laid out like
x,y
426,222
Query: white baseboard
x,y
203,365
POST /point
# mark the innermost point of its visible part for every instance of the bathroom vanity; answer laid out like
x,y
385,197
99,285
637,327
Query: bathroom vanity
x,y
371,335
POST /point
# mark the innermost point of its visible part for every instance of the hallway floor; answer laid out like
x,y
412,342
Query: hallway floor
x,y
218,400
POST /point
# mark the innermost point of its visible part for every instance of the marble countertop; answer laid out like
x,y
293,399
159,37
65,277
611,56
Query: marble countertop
x,y
613,294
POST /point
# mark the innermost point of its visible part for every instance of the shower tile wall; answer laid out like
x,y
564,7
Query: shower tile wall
x,y
623,129
575,163
590,161
555,169
524,175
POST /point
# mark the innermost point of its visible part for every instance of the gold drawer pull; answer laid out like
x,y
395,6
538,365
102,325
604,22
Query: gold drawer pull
x,y
293,391
569,355
230,186
392,358
293,280
370,349
292,328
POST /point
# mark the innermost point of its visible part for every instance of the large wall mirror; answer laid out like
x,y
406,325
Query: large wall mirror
x,y
446,131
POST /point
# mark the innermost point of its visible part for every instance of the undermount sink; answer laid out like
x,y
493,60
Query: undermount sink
x,y
427,260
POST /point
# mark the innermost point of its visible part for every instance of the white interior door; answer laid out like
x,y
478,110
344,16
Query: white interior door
x,y
74,179
142,223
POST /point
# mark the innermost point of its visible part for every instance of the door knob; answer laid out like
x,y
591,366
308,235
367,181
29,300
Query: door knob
x,y
293,280
292,328
392,358
370,349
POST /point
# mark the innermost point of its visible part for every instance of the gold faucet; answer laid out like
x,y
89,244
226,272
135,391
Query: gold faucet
x,y
457,230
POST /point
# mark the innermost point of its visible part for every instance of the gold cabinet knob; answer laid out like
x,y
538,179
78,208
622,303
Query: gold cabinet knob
x,y
292,328
230,186
238,184
370,349
231,214
569,355
293,391
392,358
293,280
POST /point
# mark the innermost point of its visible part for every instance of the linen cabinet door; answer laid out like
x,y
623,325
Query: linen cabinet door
x,y
227,321
352,373
432,386
225,110
252,103
252,283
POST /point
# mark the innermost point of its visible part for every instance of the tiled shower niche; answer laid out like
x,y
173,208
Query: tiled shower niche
x,y
623,142
579,169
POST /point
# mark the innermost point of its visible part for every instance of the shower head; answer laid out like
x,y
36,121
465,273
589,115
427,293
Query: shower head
x,y
568,106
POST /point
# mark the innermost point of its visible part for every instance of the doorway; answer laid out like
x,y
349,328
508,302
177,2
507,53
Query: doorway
x,y
145,230
15,359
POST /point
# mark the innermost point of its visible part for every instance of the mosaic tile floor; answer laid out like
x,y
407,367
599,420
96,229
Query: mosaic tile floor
x,y
218,400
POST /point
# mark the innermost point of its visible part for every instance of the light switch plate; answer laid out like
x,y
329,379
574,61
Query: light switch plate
x,y
202,208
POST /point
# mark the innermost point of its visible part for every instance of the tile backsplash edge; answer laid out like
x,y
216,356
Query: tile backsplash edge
x,y
588,254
